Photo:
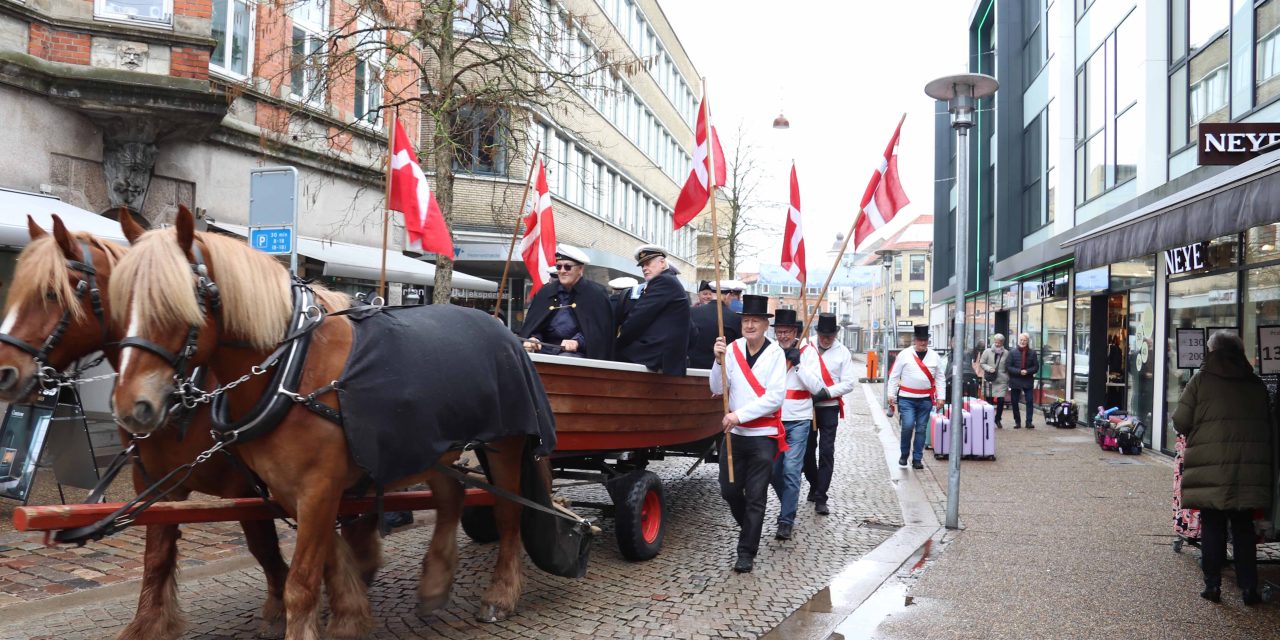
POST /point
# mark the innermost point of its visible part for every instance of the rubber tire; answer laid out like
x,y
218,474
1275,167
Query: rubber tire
x,y
479,524
629,501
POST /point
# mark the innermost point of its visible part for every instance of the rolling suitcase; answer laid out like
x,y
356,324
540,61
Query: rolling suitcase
x,y
941,437
982,431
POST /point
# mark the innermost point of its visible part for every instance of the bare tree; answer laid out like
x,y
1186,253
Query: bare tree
x,y
480,71
740,226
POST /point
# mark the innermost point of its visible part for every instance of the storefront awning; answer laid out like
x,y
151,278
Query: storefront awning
x,y
15,206
1233,201
345,260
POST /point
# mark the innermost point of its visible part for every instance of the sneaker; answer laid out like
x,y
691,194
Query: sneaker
x,y
784,531
916,464
902,462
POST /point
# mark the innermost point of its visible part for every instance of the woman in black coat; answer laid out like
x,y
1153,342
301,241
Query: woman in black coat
x,y
1023,363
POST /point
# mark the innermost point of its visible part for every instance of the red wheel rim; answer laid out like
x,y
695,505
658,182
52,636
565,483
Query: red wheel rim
x,y
651,517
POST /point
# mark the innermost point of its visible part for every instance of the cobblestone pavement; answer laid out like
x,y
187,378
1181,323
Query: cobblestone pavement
x,y
688,591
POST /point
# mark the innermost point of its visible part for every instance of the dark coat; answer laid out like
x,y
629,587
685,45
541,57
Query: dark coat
x,y
702,345
1225,414
1016,365
655,332
594,312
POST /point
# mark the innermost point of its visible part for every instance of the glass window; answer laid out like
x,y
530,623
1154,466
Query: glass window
x,y
1128,144
1093,280
1141,357
308,62
1053,352
153,11
1178,125
917,266
897,267
1198,303
1260,243
370,54
479,139
1081,340
1132,273
917,302
1128,66
1266,29
1261,306
1207,20
1032,171
232,24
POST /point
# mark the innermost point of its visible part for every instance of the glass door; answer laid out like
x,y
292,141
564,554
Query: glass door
x,y
1196,303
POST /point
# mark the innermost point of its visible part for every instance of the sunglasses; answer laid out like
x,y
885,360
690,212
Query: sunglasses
x,y
565,267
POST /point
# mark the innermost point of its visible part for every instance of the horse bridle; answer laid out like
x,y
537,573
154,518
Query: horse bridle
x,y
46,376
186,383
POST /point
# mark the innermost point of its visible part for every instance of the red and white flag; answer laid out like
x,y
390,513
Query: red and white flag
x,y
693,197
884,196
538,247
793,235
411,195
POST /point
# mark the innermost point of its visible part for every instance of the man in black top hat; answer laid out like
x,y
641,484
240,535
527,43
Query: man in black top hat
x,y
572,313
835,366
702,346
705,293
655,332
917,383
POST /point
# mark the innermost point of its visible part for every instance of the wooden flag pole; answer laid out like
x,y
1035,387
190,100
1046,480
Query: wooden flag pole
x,y
515,231
386,210
840,254
715,249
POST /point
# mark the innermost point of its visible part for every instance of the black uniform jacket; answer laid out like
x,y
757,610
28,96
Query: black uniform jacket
x,y
702,347
656,330
594,312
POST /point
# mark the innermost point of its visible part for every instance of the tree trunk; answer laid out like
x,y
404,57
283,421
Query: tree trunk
x,y
443,143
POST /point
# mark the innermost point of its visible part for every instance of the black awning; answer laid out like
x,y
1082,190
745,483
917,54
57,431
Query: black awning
x,y
1233,201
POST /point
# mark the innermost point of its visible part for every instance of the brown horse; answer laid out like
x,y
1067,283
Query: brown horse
x,y
305,459
47,283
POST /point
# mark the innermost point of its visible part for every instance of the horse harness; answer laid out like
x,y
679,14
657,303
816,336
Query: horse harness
x,y
87,286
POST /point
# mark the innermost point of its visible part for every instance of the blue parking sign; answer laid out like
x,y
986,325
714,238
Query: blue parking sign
x,y
273,240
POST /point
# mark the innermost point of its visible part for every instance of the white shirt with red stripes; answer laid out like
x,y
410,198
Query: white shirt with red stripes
x,y
906,374
770,370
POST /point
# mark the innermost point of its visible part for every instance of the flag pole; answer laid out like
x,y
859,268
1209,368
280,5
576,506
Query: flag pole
x,y
840,254
386,210
502,284
715,250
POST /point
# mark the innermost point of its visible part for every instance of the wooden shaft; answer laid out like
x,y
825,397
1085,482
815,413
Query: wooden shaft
x,y
502,284
386,210
715,250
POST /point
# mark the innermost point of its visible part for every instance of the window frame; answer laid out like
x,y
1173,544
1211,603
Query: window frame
x,y
102,12
475,117
377,59
315,39
226,71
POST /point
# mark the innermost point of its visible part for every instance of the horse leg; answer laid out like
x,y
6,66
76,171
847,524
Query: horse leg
x,y
349,612
366,544
264,544
316,511
441,561
500,599
158,616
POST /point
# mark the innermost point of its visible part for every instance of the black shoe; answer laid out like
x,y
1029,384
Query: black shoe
x,y
1212,594
821,509
813,497
784,532
1250,597
1017,425
1030,426
744,564
999,425
916,464
902,462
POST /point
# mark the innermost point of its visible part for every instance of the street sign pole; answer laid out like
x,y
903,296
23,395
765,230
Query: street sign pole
x,y
273,212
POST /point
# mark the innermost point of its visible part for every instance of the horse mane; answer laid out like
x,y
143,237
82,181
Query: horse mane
x,y
42,268
257,302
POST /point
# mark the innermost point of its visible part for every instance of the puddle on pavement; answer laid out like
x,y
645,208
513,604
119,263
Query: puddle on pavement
x,y
889,600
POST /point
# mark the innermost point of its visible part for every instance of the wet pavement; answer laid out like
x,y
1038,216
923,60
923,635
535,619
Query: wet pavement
x,y
688,591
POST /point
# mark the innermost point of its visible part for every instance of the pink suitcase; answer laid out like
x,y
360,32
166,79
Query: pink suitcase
x,y
980,431
941,436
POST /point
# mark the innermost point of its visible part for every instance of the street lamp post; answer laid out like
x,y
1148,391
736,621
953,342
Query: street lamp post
x,y
961,92
889,328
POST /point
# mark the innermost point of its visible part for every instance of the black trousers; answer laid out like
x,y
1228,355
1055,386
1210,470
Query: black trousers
x,y
1015,395
820,454
1213,546
999,402
749,493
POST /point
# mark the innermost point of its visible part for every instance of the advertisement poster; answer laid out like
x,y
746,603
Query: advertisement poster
x,y
1190,348
1269,349
21,439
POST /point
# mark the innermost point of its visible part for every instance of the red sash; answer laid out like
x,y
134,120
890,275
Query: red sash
x,y
772,420
828,380
798,394
933,385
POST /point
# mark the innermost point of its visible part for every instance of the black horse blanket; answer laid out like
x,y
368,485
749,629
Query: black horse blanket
x,y
421,380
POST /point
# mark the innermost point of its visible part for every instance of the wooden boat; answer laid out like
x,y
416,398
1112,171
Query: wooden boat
x,y
611,406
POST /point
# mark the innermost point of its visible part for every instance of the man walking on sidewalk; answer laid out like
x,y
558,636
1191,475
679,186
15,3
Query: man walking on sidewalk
x,y
803,381
757,373
838,377
916,383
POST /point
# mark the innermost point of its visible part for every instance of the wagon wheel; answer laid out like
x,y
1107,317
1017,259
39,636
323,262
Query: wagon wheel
x,y
640,502
479,524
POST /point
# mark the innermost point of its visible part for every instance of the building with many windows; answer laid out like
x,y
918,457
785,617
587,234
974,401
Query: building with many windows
x,y
904,260
1123,193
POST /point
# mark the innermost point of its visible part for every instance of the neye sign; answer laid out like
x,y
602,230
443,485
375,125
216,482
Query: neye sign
x,y
1235,142
1184,259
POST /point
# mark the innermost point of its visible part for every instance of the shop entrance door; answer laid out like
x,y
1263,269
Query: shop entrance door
x,y
1116,343
1001,326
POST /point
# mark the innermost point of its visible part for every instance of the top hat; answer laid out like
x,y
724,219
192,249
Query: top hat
x,y
827,324
922,331
705,285
575,254
753,305
786,318
648,252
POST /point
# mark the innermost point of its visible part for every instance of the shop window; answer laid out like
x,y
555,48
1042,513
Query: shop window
x,y
1261,307
1262,243
1132,273
1194,303
233,31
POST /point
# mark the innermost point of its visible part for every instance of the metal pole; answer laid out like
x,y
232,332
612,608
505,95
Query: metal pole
x,y
884,340
958,348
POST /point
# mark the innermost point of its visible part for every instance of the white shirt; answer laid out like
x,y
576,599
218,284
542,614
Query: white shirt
x,y
804,377
770,371
840,366
906,373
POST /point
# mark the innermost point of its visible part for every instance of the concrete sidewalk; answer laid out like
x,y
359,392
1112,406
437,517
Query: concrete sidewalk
x,y
1061,539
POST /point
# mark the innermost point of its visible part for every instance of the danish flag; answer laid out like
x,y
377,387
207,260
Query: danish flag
x,y
411,195
884,196
695,194
538,247
793,235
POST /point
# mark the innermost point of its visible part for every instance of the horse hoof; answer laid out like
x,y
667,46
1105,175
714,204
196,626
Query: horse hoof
x,y
271,629
491,613
349,629
428,607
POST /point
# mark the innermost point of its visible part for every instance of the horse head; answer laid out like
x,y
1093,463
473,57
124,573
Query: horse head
x,y
57,311
182,294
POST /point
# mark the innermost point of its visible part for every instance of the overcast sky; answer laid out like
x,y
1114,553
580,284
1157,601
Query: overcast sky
x,y
843,72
